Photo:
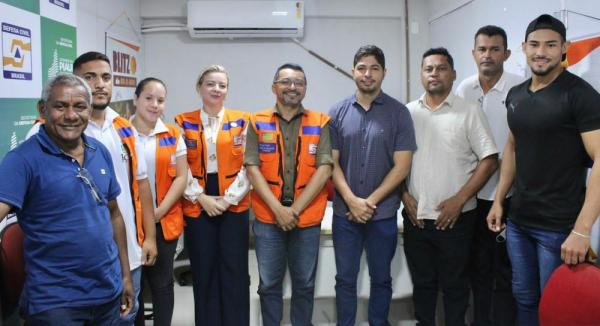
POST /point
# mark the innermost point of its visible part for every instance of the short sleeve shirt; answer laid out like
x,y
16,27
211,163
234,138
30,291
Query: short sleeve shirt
x,y
493,105
366,141
550,157
70,254
147,152
108,136
452,139
289,131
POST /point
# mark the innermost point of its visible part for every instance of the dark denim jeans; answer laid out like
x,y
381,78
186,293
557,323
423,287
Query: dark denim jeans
x,y
103,315
276,249
534,254
439,259
379,239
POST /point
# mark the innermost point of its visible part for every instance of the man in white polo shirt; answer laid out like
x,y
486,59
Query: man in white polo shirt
x,y
490,267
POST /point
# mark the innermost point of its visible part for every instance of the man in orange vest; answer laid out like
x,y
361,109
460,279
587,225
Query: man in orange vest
x,y
288,159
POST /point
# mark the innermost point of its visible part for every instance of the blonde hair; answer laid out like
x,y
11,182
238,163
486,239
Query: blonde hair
x,y
209,70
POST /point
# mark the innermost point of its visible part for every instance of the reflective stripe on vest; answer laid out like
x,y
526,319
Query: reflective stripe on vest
x,y
230,153
270,153
166,171
125,132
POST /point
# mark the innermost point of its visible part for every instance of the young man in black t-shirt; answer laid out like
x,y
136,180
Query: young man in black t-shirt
x,y
554,119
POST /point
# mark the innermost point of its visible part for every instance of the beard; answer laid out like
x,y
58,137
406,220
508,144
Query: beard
x,y
100,106
293,101
368,90
544,72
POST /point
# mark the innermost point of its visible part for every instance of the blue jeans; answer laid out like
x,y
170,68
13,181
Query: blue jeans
x,y
136,279
297,249
104,314
379,239
534,254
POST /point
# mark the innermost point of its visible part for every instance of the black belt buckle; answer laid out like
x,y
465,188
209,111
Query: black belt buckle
x,y
287,202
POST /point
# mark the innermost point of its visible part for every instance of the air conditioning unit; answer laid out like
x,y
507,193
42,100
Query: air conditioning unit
x,y
237,19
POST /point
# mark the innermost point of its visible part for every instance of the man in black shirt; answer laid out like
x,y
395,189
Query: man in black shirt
x,y
554,119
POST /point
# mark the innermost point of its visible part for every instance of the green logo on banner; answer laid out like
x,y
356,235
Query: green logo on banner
x,y
29,5
17,117
59,48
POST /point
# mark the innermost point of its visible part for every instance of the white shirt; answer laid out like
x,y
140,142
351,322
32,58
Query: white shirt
x,y
211,130
147,145
451,140
108,136
493,106
241,185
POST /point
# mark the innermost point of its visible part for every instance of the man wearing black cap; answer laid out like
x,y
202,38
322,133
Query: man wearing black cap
x,y
554,121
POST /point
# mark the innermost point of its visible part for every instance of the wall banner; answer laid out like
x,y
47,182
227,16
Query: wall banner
x,y
64,11
21,53
124,56
583,59
59,48
38,40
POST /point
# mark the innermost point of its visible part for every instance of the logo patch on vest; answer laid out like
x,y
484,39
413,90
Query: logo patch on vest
x,y
312,149
267,136
238,140
267,148
191,143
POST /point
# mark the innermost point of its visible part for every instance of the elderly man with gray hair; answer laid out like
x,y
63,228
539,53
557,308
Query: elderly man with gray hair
x,y
63,187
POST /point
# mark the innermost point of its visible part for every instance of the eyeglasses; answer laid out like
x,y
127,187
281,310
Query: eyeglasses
x,y
85,176
288,82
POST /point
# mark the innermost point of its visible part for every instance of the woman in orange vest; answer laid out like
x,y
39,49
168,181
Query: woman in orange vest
x,y
165,154
216,214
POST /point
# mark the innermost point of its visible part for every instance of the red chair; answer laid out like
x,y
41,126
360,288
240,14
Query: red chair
x,y
572,297
12,264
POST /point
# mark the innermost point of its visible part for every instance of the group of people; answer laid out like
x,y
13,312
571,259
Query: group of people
x,y
102,200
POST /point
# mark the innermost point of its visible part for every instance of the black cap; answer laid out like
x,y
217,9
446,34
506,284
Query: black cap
x,y
546,21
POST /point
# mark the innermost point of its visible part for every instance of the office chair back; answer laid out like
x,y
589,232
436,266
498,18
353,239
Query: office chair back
x,y
12,266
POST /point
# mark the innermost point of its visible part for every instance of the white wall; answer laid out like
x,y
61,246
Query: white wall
x,y
95,17
453,24
334,29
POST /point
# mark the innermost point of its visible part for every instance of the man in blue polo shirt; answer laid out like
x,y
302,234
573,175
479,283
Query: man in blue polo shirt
x,y
63,187
373,139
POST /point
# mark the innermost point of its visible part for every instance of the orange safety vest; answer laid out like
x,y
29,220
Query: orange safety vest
x,y
270,153
230,153
166,171
125,132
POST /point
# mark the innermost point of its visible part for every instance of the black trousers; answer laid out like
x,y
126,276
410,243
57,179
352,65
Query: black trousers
x,y
490,274
160,279
439,260
218,251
